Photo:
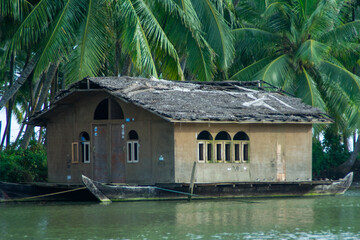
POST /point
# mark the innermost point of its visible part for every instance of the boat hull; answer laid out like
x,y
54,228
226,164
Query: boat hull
x,y
11,192
113,192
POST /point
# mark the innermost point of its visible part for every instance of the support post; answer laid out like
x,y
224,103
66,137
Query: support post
x,y
192,179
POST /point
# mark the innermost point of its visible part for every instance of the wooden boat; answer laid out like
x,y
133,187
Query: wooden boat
x,y
117,192
11,192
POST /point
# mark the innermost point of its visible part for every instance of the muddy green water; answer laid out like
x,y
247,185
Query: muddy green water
x,y
278,218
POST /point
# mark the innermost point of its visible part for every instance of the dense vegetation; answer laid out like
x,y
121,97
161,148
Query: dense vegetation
x,y
19,165
309,48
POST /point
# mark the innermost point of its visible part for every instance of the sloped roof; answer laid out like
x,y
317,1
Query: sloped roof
x,y
227,101
199,101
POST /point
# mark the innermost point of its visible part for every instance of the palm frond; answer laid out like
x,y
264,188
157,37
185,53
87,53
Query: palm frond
x,y
248,73
62,37
304,8
340,106
200,59
344,32
34,25
158,37
312,52
337,74
249,11
151,33
276,71
199,55
322,20
134,39
307,90
89,54
218,32
16,9
256,34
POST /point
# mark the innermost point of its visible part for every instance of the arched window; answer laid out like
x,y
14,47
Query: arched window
x,y
108,109
133,147
204,140
116,111
102,110
222,136
241,147
241,136
85,147
133,135
223,147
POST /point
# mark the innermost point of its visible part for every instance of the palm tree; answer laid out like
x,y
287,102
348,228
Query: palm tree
x,y
304,47
146,36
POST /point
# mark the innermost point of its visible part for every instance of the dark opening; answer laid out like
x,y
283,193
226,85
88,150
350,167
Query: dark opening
x,y
222,136
241,136
87,152
218,152
209,149
246,152
116,110
201,151
84,137
133,135
135,151
102,110
237,152
227,152
204,135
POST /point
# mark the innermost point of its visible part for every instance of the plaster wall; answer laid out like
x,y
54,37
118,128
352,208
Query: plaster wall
x,y
295,153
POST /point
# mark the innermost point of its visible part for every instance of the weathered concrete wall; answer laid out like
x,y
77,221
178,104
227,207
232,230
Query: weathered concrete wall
x,y
273,149
266,161
163,152
59,146
155,139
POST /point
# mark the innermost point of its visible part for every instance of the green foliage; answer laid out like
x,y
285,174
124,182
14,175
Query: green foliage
x,y
327,154
305,48
18,165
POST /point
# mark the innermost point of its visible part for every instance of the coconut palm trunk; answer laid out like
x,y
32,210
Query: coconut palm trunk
x,y
345,167
28,69
43,95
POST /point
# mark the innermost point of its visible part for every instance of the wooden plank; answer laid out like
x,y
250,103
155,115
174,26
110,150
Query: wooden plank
x,y
192,179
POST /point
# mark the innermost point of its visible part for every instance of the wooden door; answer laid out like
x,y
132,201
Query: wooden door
x,y
118,153
101,166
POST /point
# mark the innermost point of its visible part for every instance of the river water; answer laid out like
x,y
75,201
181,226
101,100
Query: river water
x,y
335,217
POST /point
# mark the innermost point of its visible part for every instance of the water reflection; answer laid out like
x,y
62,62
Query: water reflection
x,y
286,218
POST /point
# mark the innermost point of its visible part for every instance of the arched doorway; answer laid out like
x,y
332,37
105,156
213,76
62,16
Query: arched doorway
x,y
109,142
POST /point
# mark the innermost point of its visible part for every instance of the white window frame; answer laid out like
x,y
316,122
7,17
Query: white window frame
x,y
242,151
132,146
206,144
222,156
223,144
242,144
86,152
207,152
204,152
227,142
